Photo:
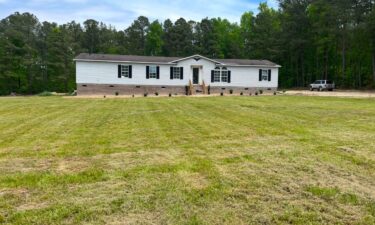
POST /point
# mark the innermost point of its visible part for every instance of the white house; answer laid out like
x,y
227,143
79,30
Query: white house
x,y
126,75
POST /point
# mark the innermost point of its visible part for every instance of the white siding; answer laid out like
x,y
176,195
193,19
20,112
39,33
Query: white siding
x,y
106,73
204,71
249,77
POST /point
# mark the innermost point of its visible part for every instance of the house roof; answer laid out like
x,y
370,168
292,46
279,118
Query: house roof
x,y
169,60
124,58
246,62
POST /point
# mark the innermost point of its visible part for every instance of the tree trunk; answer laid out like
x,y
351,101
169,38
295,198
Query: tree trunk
x,y
343,57
373,67
297,73
302,60
29,79
66,73
326,65
360,75
317,66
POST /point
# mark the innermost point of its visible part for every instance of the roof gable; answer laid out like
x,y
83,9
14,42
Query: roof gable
x,y
197,58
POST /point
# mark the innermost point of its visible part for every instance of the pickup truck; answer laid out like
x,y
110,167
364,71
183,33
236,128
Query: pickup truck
x,y
322,85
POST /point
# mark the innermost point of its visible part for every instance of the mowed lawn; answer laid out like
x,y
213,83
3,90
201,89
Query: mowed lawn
x,y
214,160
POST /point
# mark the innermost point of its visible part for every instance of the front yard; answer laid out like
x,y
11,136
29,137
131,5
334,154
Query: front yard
x,y
214,160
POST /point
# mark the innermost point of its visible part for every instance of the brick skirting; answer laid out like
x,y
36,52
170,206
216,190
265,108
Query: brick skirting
x,y
118,89
239,90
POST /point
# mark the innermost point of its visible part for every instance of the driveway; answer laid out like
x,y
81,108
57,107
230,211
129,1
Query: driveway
x,y
336,93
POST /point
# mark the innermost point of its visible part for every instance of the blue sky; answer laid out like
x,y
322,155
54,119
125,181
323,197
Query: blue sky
x,y
121,13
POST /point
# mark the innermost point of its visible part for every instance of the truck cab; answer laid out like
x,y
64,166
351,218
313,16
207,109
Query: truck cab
x,y
322,85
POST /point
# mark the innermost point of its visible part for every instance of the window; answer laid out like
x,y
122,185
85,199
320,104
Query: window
x,y
265,75
153,72
125,71
176,73
220,75
217,75
224,75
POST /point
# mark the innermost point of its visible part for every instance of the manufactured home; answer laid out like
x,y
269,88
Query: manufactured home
x,y
102,74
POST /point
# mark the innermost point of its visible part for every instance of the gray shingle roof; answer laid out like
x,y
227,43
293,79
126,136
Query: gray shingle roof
x,y
246,62
125,58
159,59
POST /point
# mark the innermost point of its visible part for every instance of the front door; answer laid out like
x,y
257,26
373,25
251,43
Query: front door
x,y
195,75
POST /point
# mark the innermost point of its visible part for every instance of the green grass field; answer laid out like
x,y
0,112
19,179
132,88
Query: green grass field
x,y
215,160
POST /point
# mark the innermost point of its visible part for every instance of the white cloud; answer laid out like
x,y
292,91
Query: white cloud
x,y
273,4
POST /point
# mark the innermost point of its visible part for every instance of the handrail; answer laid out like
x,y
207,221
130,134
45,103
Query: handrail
x,y
203,87
191,87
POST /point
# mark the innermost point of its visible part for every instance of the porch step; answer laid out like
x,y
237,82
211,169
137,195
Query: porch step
x,y
198,89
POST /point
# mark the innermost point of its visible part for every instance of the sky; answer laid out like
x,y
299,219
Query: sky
x,y
121,13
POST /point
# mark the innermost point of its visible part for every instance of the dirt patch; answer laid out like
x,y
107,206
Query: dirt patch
x,y
194,180
347,94
160,96
72,165
133,218
32,206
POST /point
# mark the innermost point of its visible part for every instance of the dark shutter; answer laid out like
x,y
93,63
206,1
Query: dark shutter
x,y
130,71
181,73
212,76
119,71
157,72
229,75
260,75
269,75
171,74
147,72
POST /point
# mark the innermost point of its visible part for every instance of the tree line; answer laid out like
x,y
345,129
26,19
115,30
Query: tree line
x,y
311,39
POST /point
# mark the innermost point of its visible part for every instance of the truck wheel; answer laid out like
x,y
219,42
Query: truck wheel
x,y
311,89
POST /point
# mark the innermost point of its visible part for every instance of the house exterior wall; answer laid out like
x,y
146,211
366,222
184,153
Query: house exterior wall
x,y
204,66
241,76
102,78
106,73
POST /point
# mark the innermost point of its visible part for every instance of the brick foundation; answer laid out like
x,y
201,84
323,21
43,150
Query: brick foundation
x,y
108,89
239,90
